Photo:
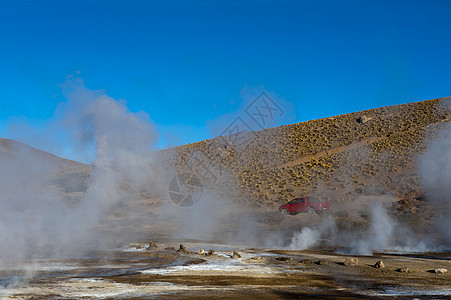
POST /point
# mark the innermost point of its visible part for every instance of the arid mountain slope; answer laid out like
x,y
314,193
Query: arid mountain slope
x,y
23,164
372,152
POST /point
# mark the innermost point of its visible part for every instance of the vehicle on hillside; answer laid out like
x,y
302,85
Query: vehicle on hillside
x,y
307,204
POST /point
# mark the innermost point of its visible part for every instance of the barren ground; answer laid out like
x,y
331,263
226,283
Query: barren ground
x,y
133,272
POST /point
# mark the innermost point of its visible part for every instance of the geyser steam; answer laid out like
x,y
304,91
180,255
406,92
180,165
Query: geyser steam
x,y
35,219
435,170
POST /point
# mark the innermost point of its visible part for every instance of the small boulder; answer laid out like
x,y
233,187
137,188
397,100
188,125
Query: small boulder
x,y
211,252
201,252
284,258
440,271
403,270
379,265
322,262
236,255
137,246
152,246
351,262
307,262
363,119
182,249
257,259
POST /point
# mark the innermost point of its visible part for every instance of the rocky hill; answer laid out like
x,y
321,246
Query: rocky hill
x,y
372,152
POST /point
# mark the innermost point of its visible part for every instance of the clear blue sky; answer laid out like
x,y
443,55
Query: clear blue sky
x,y
187,63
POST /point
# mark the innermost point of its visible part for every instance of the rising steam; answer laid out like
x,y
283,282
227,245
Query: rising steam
x,y
311,236
386,234
35,218
435,170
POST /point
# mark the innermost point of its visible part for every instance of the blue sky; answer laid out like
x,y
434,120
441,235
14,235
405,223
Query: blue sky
x,y
190,63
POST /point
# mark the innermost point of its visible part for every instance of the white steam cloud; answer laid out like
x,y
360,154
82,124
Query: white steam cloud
x,y
435,170
311,236
387,234
36,218
384,234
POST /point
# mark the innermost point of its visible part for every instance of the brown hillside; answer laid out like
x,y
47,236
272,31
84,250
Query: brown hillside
x,y
339,158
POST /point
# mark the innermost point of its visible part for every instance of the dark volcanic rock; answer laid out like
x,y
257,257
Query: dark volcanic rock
x,y
182,249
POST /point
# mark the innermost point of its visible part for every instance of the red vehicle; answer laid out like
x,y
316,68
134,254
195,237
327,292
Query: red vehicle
x,y
307,204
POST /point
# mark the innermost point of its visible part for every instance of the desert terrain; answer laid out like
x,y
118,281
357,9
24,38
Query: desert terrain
x,y
137,271
371,166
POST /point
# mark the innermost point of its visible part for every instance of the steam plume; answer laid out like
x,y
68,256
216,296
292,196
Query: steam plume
x,y
35,218
435,170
